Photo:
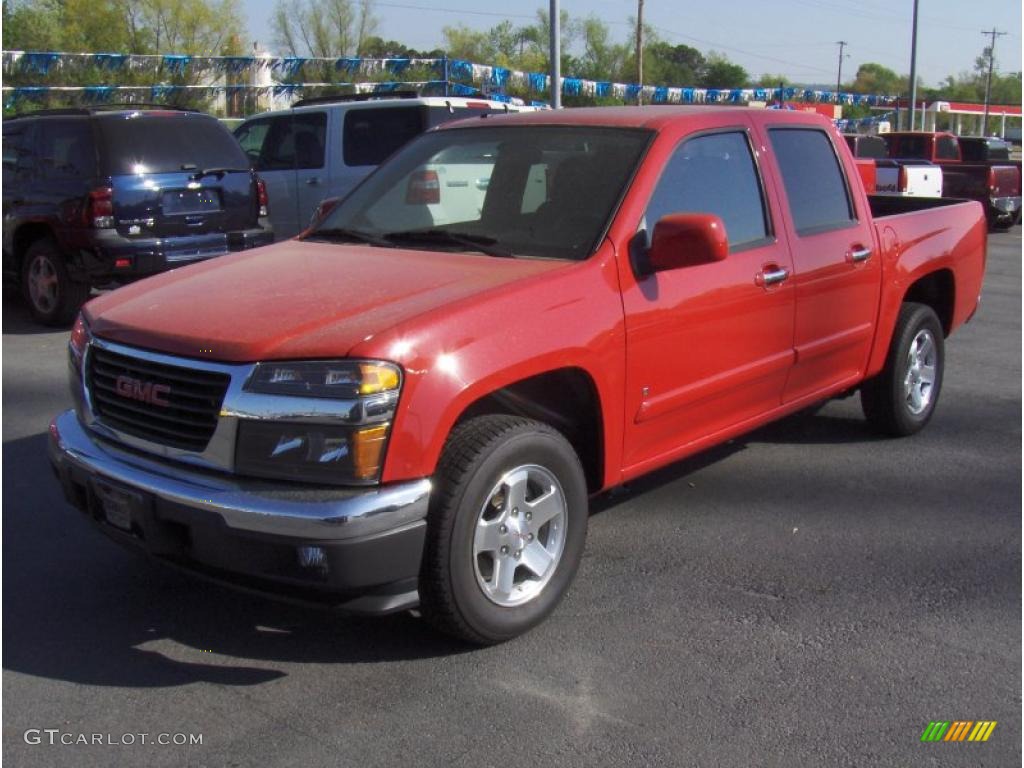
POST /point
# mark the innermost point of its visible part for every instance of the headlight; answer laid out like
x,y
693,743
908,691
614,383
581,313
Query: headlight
x,y
348,450
343,379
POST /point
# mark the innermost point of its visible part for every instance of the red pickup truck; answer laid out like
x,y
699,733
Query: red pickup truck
x,y
391,412
996,184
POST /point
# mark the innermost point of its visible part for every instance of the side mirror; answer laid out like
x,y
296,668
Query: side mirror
x,y
687,239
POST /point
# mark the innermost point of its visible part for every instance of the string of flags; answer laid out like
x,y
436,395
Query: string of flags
x,y
458,73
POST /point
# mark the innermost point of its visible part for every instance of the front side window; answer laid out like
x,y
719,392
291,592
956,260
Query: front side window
x,y
713,174
546,191
815,186
284,142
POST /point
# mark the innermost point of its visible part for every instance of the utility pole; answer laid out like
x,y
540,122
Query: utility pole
x,y
556,55
913,68
839,78
991,50
640,51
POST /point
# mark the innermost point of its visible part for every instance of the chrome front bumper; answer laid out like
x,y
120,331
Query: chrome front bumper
x,y
355,549
259,507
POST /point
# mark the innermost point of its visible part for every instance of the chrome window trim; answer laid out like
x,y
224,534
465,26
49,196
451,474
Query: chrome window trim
x,y
219,453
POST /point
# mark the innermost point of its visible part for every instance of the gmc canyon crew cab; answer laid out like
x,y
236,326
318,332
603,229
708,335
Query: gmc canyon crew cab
x,y
379,416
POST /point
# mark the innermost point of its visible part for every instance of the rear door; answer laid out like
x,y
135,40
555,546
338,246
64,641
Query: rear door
x,y
17,177
837,272
708,346
175,175
369,136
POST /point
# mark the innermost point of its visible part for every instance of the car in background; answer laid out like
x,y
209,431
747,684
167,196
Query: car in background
x,y
883,176
106,195
321,148
994,183
985,148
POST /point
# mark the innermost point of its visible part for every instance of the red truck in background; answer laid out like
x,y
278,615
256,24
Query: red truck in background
x,y
996,184
387,413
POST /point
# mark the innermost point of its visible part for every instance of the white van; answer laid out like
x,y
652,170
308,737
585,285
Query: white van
x,y
321,148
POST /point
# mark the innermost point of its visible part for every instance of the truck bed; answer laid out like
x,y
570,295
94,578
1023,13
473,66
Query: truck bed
x,y
894,205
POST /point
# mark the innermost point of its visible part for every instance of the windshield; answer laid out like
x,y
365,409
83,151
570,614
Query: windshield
x,y
545,191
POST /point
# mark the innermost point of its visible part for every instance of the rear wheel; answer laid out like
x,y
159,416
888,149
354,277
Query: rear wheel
x,y
506,530
902,398
52,296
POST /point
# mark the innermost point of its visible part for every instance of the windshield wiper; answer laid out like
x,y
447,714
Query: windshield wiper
x,y
480,243
218,171
343,233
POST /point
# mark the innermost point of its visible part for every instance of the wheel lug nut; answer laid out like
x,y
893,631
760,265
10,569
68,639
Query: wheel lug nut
x,y
529,515
504,550
515,511
503,528
519,553
529,537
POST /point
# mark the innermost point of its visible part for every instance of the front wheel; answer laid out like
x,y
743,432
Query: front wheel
x,y
506,529
902,398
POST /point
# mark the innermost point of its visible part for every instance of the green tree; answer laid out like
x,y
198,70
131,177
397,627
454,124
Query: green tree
x,y
722,73
602,59
874,78
674,65
768,80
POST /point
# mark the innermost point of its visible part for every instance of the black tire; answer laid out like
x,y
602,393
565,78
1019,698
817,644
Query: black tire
x,y
60,306
885,398
476,458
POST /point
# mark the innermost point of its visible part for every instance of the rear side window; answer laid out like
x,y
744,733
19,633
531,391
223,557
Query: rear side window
x,y
946,148
66,149
373,135
713,174
166,143
14,149
871,146
910,146
815,186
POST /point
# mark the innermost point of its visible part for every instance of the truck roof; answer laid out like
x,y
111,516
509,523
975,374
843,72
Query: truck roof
x,y
654,117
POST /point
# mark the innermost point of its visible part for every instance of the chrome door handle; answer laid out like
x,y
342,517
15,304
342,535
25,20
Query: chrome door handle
x,y
858,255
774,276
312,181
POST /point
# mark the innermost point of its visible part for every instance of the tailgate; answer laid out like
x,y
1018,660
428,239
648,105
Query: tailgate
x,y
1005,181
176,204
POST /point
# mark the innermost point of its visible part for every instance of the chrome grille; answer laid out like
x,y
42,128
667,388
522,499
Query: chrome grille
x,y
193,398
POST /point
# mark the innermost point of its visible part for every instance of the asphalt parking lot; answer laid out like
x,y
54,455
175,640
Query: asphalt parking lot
x,y
808,595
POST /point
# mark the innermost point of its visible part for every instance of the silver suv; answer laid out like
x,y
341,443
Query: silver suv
x,y
321,148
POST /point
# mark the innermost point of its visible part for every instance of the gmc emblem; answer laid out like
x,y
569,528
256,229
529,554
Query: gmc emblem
x,y
146,391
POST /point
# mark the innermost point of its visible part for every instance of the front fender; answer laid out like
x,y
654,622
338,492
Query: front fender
x,y
452,357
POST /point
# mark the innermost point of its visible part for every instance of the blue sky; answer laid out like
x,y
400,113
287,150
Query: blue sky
x,y
792,37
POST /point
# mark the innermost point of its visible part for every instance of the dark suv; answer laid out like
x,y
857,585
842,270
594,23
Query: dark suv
x,y
97,197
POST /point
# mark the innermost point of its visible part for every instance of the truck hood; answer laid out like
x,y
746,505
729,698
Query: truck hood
x,y
295,299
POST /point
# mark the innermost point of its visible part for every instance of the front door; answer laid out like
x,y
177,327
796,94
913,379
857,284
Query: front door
x,y
708,346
